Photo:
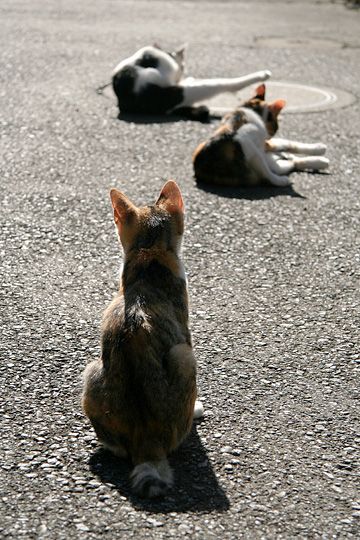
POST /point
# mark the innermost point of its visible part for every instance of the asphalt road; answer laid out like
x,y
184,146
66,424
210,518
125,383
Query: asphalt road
x,y
273,277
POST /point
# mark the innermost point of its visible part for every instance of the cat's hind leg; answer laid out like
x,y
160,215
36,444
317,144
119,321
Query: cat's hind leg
x,y
278,165
196,90
258,161
284,145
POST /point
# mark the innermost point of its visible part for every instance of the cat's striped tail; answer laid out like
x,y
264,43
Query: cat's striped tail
x,y
152,478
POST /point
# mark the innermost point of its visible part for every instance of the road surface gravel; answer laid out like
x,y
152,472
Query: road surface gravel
x,y
273,277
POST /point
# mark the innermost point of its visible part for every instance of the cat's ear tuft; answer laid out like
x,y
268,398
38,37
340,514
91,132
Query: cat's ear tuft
x,y
276,106
170,197
123,207
260,92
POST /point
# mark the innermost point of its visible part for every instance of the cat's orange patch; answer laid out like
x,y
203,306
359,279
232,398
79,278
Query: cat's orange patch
x,y
198,150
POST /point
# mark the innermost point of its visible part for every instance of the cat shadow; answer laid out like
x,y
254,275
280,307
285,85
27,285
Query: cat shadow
x,y
195,485
162,118
201,116
260,192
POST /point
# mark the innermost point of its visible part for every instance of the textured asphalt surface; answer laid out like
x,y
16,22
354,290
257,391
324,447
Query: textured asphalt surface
x,y
273,277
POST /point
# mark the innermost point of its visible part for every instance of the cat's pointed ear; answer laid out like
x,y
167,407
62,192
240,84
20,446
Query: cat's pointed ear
x,y
260,92
179,55
123,207
181,50
170,197
276,106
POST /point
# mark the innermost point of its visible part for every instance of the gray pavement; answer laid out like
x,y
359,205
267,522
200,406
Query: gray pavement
x,y
273,277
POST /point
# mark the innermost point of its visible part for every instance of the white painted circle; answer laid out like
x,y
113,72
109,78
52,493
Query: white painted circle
x,y
299,98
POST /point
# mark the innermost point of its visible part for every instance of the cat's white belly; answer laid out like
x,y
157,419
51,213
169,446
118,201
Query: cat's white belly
x,y
148,76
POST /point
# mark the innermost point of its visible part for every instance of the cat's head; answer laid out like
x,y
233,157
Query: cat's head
x,y
268,112
178,56
156,227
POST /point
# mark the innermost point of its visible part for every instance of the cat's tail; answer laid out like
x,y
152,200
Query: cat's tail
x,y
100,89
152,479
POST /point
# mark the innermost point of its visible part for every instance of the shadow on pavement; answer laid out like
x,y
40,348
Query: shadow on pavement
x,y
162,118
263,191
198,113
195,485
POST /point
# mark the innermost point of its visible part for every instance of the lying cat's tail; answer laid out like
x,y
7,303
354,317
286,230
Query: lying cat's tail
x,y
152,478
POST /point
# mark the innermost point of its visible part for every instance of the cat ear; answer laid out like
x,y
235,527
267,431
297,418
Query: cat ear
x,y
123,207
260,92
181,50
276,106
170,197
179,55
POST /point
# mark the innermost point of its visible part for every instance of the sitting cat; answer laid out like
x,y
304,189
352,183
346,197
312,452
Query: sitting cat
x,y
242,151
151,82
140,396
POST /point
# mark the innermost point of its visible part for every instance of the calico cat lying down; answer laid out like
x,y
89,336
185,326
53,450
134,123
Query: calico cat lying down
x,y
140,395
242,151
151,82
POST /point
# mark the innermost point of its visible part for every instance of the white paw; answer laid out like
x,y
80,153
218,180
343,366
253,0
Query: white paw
x,y
264,75
311,163
322,163
198,409
318,149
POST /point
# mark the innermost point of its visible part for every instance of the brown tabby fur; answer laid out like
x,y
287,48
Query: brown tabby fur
x,y
140,395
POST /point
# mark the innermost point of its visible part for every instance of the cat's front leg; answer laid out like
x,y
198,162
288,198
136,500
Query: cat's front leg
x,y
195,90
284,145
263,75
198,409
278,165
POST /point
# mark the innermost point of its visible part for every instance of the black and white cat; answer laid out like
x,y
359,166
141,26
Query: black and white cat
x,y
242,151
151,81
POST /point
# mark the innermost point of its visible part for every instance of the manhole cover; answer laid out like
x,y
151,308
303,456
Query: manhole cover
x,y
299,98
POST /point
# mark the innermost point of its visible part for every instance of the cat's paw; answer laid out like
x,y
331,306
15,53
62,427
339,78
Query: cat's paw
x,y
311,163
198,409
264,75
318,149
322,163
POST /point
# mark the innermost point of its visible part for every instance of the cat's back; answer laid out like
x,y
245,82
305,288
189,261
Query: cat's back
x,y
150,315
220,160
